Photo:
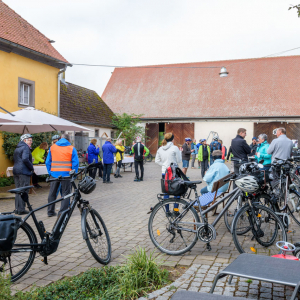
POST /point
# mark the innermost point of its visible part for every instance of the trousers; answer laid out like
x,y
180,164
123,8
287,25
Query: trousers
x,y
20,181
193,160
106,172
138,163
54,189
204,167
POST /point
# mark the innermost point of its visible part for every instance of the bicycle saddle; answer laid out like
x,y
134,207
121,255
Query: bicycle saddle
x,y
188,183
20,190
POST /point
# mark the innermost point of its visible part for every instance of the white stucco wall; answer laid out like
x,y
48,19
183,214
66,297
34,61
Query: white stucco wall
x,y
91,133
226,130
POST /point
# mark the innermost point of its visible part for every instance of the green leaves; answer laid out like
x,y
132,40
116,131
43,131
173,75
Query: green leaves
x,y
296,7
128,124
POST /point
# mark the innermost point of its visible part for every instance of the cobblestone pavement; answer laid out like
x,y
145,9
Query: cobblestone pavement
x,y
199,278
123,206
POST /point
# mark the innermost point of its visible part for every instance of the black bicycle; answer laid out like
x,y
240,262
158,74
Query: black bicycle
x,y
19,259
148,158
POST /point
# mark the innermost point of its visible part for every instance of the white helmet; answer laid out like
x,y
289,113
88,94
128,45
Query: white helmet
x,y
247,184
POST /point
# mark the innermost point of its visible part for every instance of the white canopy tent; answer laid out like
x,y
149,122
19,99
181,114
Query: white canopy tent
x,y
7,118
43,122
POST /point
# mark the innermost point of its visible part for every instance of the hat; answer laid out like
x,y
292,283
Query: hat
x,y
254,138
217,153
203,140
188,139
25,136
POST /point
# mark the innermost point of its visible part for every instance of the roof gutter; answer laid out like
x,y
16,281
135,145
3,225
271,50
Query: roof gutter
x,y
34,52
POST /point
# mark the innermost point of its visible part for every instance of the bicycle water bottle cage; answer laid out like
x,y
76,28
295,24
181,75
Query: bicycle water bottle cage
x,y
9,225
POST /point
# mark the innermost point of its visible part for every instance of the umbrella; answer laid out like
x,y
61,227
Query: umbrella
x,y
43,122
7,118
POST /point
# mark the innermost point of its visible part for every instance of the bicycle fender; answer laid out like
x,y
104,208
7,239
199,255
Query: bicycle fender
x,y
83,215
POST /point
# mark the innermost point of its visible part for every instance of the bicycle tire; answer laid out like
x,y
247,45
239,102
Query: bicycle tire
x,y
25,235
254,236
149,158
92,231
158,220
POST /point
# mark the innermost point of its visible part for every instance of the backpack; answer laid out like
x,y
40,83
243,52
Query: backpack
x,y
9,225
173,184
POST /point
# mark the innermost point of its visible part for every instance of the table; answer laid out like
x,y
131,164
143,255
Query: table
x,y
126,160
38,170
264,268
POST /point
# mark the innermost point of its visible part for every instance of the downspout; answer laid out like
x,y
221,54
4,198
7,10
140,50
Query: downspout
x,y
58,90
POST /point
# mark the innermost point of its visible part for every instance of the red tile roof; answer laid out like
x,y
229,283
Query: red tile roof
x,y
17,30
255,88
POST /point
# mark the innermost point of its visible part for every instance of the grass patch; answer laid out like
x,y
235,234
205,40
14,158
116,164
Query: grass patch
x,y
140,275
249,280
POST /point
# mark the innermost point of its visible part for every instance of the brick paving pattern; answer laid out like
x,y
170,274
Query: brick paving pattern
x,y
124,206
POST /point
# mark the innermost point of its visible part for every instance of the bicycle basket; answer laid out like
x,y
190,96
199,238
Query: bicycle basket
x,y
175,187
87,185
9,225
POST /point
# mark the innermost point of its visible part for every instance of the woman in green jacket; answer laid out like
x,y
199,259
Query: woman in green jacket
x,y
39,153
262,151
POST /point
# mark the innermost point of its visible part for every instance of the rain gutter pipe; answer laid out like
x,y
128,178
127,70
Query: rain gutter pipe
x,y
58,90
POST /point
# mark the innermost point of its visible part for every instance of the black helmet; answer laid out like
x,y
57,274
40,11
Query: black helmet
x,y
87,185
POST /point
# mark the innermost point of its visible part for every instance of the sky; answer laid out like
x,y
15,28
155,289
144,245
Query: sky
x,y
144,32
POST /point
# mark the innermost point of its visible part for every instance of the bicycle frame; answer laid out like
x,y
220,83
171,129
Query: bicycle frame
x,y
232,195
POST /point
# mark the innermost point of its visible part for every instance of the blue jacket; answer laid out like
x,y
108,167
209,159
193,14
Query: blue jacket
x,y
214,145
93,153
198,145
108,150
75,161
194,147
262,150
22,160
215,172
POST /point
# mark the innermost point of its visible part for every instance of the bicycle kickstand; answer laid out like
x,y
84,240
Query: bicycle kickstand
x,y
208,246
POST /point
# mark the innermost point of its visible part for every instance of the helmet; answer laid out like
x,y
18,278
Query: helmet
x,y
87,185
243,169
56,137
25,136
247,184
188,139
216,138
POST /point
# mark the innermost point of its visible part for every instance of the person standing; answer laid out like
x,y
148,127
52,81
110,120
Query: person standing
x,y
38,155
55,138
253,146
22,170
138,150
198,145
62,158
186,155
282,146
100,168
204,156
93,152
214,145
223,149
119,157
262,153
195,153
240,150
108,150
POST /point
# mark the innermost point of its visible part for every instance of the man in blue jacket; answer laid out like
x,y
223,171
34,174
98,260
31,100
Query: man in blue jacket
x,y
93,153
214,145
62,158
108,150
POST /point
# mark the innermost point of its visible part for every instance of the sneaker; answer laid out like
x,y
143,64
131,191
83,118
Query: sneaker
x,y
104,181
24,212
120,176
136,179
109,182
53,215
115,175
141,179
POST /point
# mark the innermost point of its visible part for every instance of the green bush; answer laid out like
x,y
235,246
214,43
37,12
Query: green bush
x,y
138,276
5,181
5,287
11,140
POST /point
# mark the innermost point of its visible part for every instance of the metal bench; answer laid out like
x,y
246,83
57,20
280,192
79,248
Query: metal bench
x,y
264,268
186,295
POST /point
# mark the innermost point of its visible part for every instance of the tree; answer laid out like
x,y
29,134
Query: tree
x,y
128,125
296,7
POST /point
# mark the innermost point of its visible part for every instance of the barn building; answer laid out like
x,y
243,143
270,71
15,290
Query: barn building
x,y
192,100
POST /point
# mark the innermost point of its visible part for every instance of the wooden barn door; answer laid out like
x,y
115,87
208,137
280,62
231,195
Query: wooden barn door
x,y
181,131
152,140
292,130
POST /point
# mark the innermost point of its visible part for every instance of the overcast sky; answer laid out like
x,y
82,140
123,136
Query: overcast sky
x,y
146,32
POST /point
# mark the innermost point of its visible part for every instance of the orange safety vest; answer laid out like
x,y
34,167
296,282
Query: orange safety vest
x,y
61,158
223,152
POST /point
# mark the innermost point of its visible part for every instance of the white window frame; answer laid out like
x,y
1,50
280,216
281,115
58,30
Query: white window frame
x,y
22,100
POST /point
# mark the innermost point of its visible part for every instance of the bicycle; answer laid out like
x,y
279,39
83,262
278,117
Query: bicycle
x,y
176,232
148,158
18,261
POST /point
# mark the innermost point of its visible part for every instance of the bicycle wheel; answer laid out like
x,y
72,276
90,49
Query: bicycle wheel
x,y
173,238
149,158
232,211
264,230
21,258
96,236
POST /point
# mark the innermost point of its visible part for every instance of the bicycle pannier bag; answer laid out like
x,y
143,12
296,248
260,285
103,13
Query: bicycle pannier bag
x,y
9,225
173,184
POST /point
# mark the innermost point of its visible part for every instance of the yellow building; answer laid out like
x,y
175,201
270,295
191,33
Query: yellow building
x,y
29,69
